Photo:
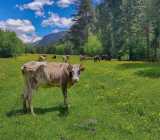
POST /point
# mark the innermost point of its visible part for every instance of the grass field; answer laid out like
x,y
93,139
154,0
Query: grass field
x,y
113,101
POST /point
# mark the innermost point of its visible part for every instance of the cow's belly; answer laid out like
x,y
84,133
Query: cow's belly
x,y
50,84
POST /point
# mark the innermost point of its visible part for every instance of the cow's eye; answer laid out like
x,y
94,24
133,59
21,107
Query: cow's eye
x,y
71,74
79,72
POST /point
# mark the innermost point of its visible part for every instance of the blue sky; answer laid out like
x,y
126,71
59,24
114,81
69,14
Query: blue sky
x,y
32,19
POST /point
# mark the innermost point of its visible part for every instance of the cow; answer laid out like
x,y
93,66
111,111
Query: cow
x,y
54,57
65,58
49,74
105,57
42,58
97,58
83,57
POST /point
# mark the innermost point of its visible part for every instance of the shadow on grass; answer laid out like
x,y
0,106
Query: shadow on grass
x,y
135,65
148,69
63,112
150,73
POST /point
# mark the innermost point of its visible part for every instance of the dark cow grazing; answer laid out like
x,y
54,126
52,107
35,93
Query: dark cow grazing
x,y
105,57
65,58
42,58
47,74
97,58
54,57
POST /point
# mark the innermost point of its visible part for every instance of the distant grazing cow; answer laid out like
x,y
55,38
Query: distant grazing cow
x,y
97,58
105,57
42,58
38,74
44,55
65,58
54,57
83,57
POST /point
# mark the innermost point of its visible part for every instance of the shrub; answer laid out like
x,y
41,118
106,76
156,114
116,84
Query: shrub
x,y
93,46
60,49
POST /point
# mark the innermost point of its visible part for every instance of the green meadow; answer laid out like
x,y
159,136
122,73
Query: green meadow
x,y
114,100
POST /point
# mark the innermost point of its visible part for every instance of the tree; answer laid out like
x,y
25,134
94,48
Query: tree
x,y
10,45
83,24
93,46
119,26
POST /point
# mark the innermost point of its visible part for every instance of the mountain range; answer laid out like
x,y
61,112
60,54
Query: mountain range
x,y
50,39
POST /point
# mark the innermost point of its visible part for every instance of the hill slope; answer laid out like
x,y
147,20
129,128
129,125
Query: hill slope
x,y
50,39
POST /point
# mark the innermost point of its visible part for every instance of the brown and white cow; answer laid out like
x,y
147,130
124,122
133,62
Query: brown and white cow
x,y
65,58
42,58
36,74
84,57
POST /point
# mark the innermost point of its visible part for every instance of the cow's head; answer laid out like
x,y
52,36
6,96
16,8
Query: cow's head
x,y
75,71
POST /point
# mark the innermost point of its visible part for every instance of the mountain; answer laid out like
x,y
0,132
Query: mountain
x,y
50,39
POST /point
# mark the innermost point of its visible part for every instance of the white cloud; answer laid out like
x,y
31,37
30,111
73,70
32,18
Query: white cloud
x,y
56,30
58,21
23,28
36,5
65,3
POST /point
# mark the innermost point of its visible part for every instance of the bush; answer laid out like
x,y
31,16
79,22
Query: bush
x,y
30,49
93,46
60,48
10,45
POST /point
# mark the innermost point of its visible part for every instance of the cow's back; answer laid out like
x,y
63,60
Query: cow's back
x,y
56,73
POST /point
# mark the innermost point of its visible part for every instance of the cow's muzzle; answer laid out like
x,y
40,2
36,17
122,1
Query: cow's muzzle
x,y
75,80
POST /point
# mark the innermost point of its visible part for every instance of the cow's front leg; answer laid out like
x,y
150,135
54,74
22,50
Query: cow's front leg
x,y
30,104
29,99
24,105
24,100
64,90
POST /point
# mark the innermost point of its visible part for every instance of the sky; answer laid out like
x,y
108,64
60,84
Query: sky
x,y
32,19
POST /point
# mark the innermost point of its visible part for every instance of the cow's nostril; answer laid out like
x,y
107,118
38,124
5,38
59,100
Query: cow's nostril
x,y
75,79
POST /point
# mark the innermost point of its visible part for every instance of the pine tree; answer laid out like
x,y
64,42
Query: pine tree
x,y
83,24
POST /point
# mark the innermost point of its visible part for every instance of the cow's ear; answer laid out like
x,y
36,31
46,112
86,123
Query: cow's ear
x,y
82,68
41,67
70,67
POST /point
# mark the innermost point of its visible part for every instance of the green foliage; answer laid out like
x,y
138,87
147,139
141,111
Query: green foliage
x,y
60,49
93,46
30,49
83,24
121,23
10,45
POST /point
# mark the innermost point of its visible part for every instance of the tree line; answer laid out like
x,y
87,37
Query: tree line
x,y
130,28
124,29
